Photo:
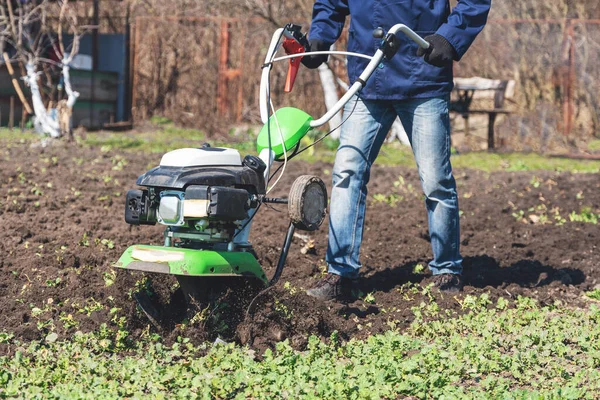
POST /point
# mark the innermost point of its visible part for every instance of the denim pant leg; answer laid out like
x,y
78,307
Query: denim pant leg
x,y
361,138
427,124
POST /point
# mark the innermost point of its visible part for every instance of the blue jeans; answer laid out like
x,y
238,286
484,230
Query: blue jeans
x,y
427,124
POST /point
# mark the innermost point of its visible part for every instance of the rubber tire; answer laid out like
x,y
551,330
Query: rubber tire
x,y
296,202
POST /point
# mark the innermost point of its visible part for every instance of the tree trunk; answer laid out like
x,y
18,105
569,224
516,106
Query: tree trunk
x,y
71,94
331,97
398,132
43,122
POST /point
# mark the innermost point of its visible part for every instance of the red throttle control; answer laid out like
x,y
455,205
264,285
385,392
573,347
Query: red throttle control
x,y
292,46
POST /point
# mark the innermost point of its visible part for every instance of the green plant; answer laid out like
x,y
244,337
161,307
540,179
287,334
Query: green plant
x,y
418,269
586,215
109,244
519,215
84,240
369,298
90,306
68,320
159,120
109,277
391,199
53,282
535,182
284,310
593,294
508,349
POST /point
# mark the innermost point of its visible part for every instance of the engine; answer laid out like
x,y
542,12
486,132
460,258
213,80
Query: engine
x,y
201,195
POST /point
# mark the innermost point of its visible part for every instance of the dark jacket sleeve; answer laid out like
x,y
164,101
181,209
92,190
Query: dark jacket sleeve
x,y
328,20
464,23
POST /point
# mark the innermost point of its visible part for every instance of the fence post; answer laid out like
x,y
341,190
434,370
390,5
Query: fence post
x,y
134,66
226,74
11,113
240,99
569,80
223,60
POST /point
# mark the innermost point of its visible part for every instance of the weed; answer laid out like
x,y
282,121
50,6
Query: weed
x,y
519,215
369,298
84,240
36,190
391,199
5,337
291,289
418,269
158,120
586,215
109,244
90,306
593,294
142,285
68,320
283,310
53,282
109,278
535,182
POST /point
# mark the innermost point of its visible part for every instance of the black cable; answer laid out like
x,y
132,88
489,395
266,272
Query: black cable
x,y
247,222
270,207
291,155
330,132
276,171
296,151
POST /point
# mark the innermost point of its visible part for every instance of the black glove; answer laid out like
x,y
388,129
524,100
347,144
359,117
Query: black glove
x,y
440,52
316,60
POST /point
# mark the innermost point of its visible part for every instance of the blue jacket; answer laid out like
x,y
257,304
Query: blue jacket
x,y
406,75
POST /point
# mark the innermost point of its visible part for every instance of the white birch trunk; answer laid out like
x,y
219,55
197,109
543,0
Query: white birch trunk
x,y
71,94
43,121
331,97
398,132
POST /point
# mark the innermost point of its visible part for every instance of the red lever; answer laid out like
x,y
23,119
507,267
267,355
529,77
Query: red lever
x,y
291,46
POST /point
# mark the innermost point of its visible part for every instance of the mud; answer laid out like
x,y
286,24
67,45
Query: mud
x,y
62,227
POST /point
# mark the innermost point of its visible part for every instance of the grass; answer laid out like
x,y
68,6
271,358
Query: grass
x,y
594,145
163,136
16,136
510,349
160,139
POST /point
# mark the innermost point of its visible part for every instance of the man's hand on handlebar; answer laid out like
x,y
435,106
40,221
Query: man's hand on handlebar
x,y
315,60
440,52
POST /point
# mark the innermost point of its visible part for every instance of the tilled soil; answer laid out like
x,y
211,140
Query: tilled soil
x,y
61,212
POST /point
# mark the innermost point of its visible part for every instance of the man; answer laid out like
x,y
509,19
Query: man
x,y
415,86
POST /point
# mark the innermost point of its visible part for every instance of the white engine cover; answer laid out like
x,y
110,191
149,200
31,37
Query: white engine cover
x,y
190,157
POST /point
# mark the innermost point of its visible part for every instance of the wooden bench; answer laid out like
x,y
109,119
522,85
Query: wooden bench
x,y
491,91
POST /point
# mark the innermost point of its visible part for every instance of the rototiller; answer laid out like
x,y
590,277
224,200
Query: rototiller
x,y
207,197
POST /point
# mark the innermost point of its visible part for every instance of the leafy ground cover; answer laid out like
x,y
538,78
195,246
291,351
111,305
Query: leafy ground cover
x,y
507,349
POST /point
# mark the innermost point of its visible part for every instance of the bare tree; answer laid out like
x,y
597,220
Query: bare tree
x,y
28,29
65,107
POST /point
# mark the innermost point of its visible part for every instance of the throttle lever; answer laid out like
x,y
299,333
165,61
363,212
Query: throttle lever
x,y
295,43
